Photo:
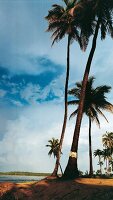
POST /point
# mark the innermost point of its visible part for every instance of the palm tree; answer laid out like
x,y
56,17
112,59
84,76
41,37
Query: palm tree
x,y
54,146
99,153
106,154
101,14
95,100
62,23
111,163
107,140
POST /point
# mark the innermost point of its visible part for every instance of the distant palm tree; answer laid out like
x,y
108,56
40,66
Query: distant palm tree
x,y
54,147
106,154
99,153
100,13
62,23
107,140
111,163
95,101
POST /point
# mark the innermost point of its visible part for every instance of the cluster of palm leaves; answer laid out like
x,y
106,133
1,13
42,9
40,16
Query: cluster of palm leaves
x,y
106,155
78,19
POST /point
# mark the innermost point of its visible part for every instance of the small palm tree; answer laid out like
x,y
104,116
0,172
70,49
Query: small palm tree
x,y
62,23
99,153
101,14
54,147
106,154
95,101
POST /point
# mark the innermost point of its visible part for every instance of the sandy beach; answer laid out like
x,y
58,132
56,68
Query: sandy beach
x,y
54,189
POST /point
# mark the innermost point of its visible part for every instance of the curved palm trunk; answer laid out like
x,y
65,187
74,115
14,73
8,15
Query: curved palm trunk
x,y
65,112
71,170
90,150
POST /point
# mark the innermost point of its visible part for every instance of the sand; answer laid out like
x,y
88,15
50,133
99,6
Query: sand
x,y
55,189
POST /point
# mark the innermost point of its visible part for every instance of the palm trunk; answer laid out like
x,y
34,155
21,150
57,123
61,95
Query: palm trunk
x,y
90,150
106,166
100,164
71,170
65,112
61,168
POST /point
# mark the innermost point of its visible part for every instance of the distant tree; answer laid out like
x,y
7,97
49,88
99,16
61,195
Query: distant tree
x,y
54,147
99,153
106,154
107,140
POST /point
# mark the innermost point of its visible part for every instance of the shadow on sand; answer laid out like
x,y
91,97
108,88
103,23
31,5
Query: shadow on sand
x,y
55,189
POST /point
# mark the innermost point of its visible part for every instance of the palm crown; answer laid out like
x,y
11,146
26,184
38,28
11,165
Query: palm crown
x,y
54,145
61,22
107,140
95,100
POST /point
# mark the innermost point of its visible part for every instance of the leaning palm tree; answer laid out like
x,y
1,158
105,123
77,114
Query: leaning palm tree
x,y
101,14
54,146
95,101
62,23
99,153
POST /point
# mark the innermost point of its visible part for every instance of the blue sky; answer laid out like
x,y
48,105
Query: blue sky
x,y
32,75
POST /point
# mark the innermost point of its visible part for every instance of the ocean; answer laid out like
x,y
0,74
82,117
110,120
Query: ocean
x,y
19,179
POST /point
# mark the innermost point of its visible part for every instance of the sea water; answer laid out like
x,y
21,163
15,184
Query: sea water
x,y
19,179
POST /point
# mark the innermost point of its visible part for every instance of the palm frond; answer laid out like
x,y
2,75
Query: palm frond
x,y
73,114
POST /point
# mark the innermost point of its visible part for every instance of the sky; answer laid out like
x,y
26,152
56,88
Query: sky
x,y
32,77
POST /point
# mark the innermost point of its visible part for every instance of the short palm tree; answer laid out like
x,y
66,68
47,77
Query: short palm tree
x,y
54,146
99,153
95,101
62,23
101,14
106,154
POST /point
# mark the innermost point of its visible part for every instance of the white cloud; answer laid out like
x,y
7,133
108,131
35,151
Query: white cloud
x,y
25,137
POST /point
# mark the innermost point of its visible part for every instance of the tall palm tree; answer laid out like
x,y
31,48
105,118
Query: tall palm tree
x,y
95,101
99,153
54,146
101,14
62,23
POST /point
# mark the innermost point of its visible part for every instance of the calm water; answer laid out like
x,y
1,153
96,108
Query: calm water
x,y
19,179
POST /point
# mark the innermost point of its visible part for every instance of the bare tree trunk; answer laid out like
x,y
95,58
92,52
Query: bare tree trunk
x,y
65,112
61,168
71,170
100,164
90,150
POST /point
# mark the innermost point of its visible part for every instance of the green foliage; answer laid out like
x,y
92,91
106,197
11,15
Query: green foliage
x,y
54,147
95,100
